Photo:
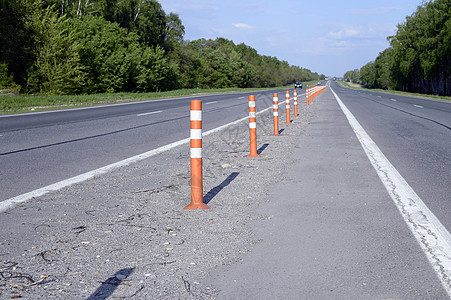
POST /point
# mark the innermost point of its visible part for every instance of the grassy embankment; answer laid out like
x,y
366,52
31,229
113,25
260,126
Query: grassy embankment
x,y
359,87
26,103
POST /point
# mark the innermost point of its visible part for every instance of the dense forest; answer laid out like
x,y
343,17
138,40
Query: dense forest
x,y
103,46
419,57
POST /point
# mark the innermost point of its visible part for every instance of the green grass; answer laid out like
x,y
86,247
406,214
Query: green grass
x,y
393,92
26,103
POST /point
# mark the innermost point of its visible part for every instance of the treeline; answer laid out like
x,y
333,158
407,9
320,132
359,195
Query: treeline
x,y
101,46
419,57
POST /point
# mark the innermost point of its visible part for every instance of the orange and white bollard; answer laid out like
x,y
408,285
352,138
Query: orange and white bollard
x,y
287,106
295,101
196,156
252,127
307,95
275,100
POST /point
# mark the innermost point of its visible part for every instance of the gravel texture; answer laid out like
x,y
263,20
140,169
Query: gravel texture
x,y
125,235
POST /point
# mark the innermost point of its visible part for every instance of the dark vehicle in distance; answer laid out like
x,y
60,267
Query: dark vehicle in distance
x,y
298,85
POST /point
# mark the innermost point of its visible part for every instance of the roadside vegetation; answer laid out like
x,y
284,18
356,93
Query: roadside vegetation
x,y
419,57
394,92
85,47
25,103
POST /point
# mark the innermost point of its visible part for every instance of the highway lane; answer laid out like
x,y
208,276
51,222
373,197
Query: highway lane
x,y
415,135
39,149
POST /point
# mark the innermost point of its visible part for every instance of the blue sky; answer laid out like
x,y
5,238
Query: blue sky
x,y
328,36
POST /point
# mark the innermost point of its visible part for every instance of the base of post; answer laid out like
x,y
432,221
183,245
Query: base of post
x,y
253,155
196,206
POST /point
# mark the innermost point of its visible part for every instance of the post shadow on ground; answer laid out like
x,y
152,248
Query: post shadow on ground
x,y
262,148
281,130
110,285
214,191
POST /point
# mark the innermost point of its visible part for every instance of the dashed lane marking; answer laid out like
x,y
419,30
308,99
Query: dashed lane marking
x,y
150,113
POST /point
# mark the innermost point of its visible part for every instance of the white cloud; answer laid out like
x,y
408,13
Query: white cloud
x,y
347,31
359,34
242,25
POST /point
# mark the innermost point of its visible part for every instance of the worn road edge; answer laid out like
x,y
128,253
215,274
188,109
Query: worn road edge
x,y
432,236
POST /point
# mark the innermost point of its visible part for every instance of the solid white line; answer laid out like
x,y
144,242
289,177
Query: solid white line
x,y
419,106
432,236
149,113
393,100
211,102
4,205
241,97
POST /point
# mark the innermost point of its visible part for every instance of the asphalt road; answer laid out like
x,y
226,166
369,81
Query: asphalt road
x,y
415,136
38,149
335,233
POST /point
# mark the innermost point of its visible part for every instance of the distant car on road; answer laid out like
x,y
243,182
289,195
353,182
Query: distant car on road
x,y
298,85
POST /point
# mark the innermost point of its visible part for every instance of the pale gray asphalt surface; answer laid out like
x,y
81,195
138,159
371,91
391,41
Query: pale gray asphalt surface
x,y
335,232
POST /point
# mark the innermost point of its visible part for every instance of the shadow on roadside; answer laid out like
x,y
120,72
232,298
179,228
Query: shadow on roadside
x,y
262,148
110,285
214,191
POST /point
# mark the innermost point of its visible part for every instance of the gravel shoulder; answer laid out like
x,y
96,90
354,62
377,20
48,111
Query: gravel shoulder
x,y
125,235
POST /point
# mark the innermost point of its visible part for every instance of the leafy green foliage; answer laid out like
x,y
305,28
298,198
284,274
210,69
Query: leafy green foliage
x,y
105,46
56,69
352,76
419,57
17,38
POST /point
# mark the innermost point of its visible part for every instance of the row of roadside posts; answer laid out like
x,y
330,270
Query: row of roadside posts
x,y
196,136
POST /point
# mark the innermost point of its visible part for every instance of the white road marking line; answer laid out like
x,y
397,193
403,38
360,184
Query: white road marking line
x,y
419,106
4,205
241,97
379,96
149,113
213,102
432,236
393,100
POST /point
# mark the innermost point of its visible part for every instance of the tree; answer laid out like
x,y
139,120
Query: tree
x,y
421,51
105,51
352,76
57,69
174,32
144,17
17,38
98,46
368,75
